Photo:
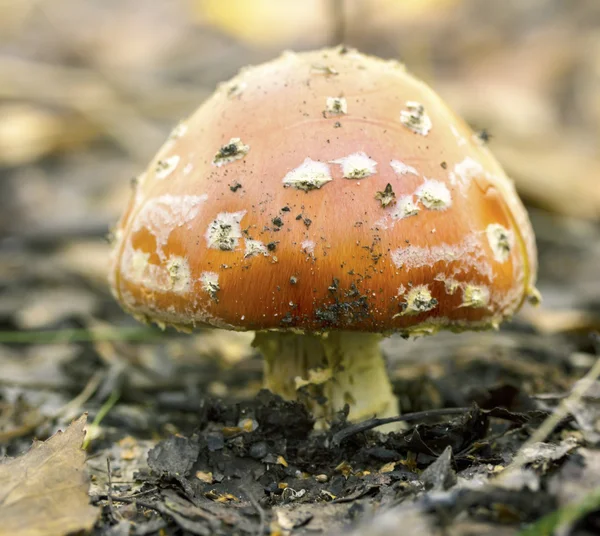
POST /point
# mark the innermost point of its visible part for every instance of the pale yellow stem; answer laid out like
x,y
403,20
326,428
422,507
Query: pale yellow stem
x,y
327,371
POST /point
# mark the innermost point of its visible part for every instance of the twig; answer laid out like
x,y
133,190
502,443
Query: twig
x,y
161,509
135,495
181,520
111,506
258,508
369,424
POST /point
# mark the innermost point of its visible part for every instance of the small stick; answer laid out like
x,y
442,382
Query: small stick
x,y
111,506
259,509
132,500
369,424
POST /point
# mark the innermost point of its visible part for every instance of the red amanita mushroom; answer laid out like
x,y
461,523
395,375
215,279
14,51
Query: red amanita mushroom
x,y
323,200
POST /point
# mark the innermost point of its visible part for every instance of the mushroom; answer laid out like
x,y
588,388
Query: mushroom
x,y
325,200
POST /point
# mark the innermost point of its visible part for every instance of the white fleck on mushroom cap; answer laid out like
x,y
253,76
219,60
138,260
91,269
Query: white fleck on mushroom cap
x,y
246,218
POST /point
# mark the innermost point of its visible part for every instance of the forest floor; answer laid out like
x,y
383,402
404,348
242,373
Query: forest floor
x,y
502,429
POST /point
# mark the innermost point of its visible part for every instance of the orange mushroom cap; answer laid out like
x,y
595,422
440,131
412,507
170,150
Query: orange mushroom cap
x,y
324,190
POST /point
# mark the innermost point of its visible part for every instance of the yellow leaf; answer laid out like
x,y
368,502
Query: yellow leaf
x,y
205,477
388,467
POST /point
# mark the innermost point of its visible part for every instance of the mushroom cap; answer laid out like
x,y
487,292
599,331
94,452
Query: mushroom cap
x,y
324,190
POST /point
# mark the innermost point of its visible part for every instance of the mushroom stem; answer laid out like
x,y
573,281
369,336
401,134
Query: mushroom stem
x,y
327,371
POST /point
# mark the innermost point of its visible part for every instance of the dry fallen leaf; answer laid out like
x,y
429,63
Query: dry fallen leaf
x,y
45,491
28,133
224,498
550,321
206,477
556,177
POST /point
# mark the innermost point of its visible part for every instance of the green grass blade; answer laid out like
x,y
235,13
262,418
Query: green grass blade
x,y
135,334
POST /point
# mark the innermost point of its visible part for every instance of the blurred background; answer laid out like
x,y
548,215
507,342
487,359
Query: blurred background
x,y
89,89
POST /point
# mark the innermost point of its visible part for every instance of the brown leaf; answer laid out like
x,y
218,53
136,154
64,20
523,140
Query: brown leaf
x,y
45,491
